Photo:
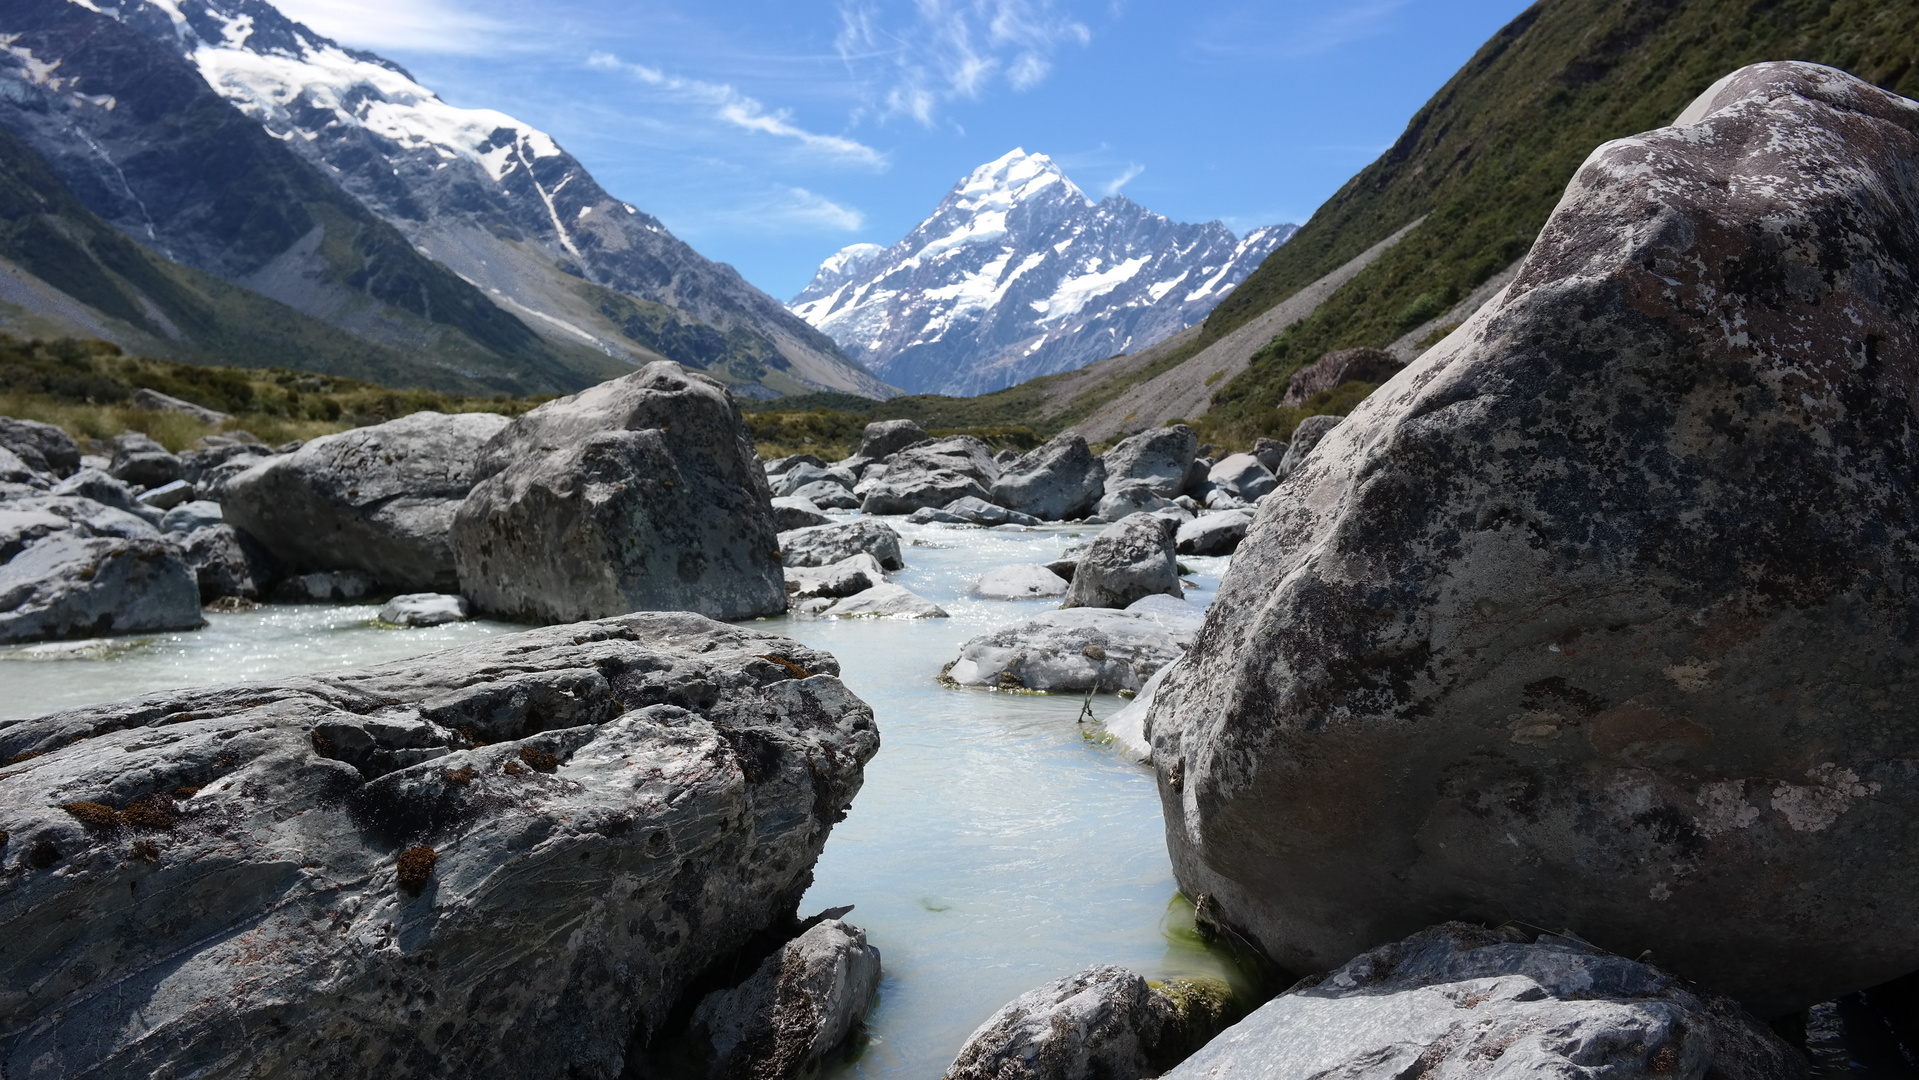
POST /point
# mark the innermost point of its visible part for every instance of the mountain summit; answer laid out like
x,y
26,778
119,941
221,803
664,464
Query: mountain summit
x,y
1018,274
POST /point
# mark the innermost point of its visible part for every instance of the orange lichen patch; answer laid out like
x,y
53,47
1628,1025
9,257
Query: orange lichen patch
x,y
149,812
146,851
20,757
185,792
461,776
539,760
321,744
91,814
798,671
513,768
416,867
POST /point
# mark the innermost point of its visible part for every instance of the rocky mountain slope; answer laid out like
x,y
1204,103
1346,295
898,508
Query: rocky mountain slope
x,y
239,142
1019,274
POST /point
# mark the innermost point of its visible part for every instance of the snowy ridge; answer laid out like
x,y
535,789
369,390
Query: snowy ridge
x,y
494,199
1018,274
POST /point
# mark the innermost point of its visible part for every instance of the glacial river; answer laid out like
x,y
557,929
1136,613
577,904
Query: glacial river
x,y
998,843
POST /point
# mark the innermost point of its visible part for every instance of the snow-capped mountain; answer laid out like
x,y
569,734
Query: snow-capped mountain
x,y
493,199
1018,274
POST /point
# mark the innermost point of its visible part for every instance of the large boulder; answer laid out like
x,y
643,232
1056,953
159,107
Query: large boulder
x,y
884,601
1601,614
884,438
1336,368
1213,534
1025,581
508,860
68,586
791,513
1161,458
100,488
933,474
1306,438
1072,651
1131,558
1453,1000
971,511
824,545
227,562
1104,1023
797,1006
26,519
138,459
377,499
44,447
639,494
1060,480
1242,476
853,574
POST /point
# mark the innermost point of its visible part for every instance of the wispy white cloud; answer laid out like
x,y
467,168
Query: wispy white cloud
x,y
946,50
441,26
733,107
778,210
1131,173
1264,33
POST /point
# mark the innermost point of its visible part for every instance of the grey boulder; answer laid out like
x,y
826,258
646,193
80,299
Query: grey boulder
x,y
884,601
1306,438
791,513
188,516
1160,458
1455,999
378,499
971,511
884,438
138,459
1599,615
324,585
1104,1023
227,562
1213,534
1134,497
166,497
1130,558
827,544
508,860
1242,476
1026,581
22,525
640,494
153,399
43,447
1270,453
853,574
830,494
68,586
425,609
1364,365
806,474
1073,651
87,517
801,1003
100,488
1060,480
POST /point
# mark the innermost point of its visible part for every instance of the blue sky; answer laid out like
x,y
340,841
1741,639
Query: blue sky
x,y
769,135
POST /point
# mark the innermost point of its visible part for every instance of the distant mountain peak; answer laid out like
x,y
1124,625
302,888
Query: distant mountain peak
x,y
1017,273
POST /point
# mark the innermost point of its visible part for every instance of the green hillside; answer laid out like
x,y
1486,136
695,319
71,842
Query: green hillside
x,y
1489,156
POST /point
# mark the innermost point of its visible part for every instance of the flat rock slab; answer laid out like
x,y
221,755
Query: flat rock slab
x,y
1451,1000
885,601
425,609
1075,650
790,512
70,586
503,861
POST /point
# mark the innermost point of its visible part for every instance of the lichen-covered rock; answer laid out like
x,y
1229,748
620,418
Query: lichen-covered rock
x,y
933,474
593,814
377,499
1306,438
884,438
828,493
67,586
828,544
99,487
1060,480
85,516
1241,476
1270,453
1453,1000
853,574
43,447
1130,558
1161,458
1022,582
1104,1023
1074,651
971,511
1601,613
227,562
640,494
1133,497
796,1007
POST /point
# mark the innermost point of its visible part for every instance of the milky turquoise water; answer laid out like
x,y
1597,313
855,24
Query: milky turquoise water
x,y
997,843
